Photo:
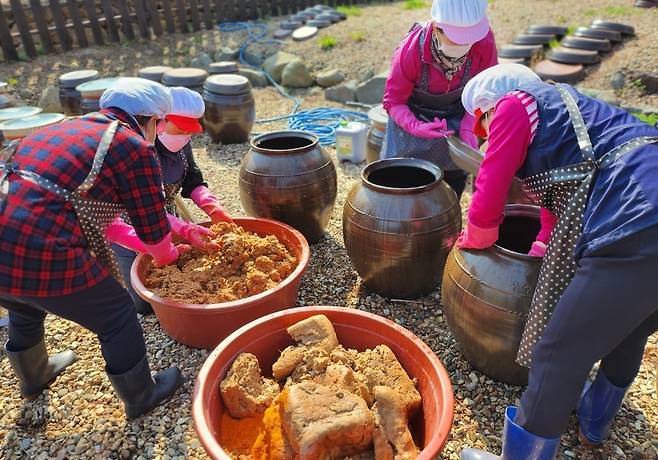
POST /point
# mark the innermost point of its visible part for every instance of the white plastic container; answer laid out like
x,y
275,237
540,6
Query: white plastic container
x,y
351,142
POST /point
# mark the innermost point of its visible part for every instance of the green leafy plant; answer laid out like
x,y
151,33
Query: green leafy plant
x,y
414,4
350,10
650,118
358,36
326,43
12,81
554,43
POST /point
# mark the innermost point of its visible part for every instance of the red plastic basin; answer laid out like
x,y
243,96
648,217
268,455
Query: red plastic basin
x,y
205,325
355,329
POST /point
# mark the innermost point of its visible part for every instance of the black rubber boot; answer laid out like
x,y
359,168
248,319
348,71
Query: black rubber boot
x,y
35,369
141,392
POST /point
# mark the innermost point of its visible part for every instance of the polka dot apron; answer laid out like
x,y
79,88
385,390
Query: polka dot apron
x,y
93,215
426,106
564,191
171,190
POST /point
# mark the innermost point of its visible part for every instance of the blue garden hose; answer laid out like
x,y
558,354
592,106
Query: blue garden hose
x,y
321,121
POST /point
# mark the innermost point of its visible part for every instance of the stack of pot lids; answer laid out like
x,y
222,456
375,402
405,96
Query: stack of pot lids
x,y
227,84
280,34
321,7
304,33
94,89
307,14
316,10
378,117
512,61
223,67
560,31
624,29
18,128
153,73
290,25
73,79
298,17
583,43
12,113
601,34
328,16
646,3
318,23
573,56
185,76
563,73
519,51
533,39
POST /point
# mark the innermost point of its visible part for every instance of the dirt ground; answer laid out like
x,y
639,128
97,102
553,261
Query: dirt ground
x,y
80,417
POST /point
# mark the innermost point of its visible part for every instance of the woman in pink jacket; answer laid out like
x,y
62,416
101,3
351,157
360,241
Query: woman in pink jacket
x,y
430,68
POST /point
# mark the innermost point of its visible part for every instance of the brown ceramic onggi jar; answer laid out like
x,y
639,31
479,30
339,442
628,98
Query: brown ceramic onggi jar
x,y
188,77
377,134
69,97
91,93
486,296
223,67
286,176
153,73
230,108
399,223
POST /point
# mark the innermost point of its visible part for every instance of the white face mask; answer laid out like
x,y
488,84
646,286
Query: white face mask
x,y
174,142
455,51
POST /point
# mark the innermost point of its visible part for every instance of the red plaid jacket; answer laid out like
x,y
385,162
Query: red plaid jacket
x,y
43,251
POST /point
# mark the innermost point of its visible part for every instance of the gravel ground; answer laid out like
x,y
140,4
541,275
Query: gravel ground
x,y
81,418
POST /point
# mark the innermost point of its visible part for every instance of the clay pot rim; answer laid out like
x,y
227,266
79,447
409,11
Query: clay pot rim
x,y
519,209
414,162
212,308
284,133
204,431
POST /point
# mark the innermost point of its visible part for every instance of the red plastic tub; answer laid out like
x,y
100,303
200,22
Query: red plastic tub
x,y
205,325
266,336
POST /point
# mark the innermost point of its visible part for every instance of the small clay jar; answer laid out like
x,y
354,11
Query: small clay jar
x,y
153,73
69,97
188,77
223,67
91,93
377,133
230,108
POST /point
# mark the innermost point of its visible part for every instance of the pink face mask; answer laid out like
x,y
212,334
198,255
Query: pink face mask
x,y
174,142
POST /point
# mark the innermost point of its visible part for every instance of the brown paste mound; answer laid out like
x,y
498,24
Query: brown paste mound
x,y
245,265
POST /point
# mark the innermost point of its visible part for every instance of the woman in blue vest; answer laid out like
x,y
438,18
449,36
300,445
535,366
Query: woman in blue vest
x,y
594,170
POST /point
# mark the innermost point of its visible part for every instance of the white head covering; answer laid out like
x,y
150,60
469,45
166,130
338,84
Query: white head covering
x,y
138,96
186,103
463,21
489,86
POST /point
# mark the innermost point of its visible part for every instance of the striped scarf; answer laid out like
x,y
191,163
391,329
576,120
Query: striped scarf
x,y
450,66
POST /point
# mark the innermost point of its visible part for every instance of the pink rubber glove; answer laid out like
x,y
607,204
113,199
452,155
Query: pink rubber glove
x,y
121,233
195,234
477,238
165,252
538,249
466,133
209,204
405,119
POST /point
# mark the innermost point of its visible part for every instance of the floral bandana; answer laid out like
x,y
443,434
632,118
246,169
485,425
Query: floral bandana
x,y
449,65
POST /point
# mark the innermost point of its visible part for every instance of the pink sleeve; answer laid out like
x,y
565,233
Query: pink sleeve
x,y
548,221
509,138
404,69
466,133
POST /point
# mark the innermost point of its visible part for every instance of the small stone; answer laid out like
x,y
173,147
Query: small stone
x,y
296,75
125,453
26,443
568,453
345,92
372,91
618,80
202,61
255,77
226,54
195,444
62,392
330,78
469,402
49,100
366,74
253,58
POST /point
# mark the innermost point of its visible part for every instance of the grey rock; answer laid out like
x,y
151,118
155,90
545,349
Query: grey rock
x,y
618,80
253,58
226,54
330,78
26,443
366,74
202,61
345,92
275,64
255,77
608,96
49,100
296,75
372,91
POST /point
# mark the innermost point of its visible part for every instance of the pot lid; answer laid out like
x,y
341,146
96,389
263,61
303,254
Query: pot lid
x,y
304,33
562,73
616,26
154,72
73,79
291,25
280,34
573,56
519,51
22,126
532,39
18,112
318,23
585,43
227,84
378,115
598,33
185,76
464,156
223,67
548,29
94,89
502,60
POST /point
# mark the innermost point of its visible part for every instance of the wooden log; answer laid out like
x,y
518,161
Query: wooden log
x,y
23,28
208,18
74,14
6,41
194,15
92,16
112,32
126,24
182,16
169,16
154,15
142,22
60,25
39,16
220,11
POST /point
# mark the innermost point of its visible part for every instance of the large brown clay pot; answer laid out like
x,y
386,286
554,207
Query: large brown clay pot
x,y
230,108
486,296
286,176
399,224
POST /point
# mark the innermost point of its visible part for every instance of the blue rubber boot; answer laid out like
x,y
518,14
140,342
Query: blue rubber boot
x,y
598,406
518,444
